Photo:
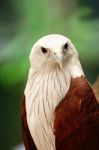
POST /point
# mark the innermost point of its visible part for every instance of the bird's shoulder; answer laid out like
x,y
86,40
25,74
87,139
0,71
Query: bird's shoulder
x,y
76,116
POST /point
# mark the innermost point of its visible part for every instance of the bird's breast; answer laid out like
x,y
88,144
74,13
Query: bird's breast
x,y
43,93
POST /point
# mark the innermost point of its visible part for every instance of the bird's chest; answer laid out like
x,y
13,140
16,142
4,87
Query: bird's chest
x,y
41,100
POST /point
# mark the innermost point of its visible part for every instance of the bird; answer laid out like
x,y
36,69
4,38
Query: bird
x,y
59,108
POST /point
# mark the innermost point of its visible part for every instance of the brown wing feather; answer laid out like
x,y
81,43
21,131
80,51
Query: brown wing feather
x,y
28,140
77,118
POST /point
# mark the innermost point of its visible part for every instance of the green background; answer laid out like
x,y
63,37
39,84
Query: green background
x,y
22,22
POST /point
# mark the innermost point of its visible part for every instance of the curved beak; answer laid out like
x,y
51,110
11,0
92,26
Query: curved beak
x,y
59,57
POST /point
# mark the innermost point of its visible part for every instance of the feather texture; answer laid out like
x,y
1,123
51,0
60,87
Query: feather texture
x,y
60,111
42,96
77,118
28,140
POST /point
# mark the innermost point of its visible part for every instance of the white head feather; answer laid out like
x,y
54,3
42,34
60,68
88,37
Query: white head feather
x,y
54,60
56,51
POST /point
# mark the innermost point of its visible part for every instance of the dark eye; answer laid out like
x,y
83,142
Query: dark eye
x,y
44,50
66,46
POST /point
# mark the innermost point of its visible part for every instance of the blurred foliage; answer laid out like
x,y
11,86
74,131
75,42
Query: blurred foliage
x,y
22,22
38,20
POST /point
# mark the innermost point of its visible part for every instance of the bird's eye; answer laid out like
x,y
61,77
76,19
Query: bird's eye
x,y
44,50
66,46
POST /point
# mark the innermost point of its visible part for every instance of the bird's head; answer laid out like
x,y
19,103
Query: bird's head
x,y
52,50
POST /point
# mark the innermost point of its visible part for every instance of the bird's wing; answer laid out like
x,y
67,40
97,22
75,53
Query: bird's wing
x,y
77,118
28,140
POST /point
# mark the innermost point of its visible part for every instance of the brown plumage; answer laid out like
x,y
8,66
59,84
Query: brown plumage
x,y
77,118
59,109
28,140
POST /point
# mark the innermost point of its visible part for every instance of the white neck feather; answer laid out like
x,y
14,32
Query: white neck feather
x,y
43,93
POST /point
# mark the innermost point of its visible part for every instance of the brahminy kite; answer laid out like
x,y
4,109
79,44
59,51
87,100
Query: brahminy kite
x,y
59,109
